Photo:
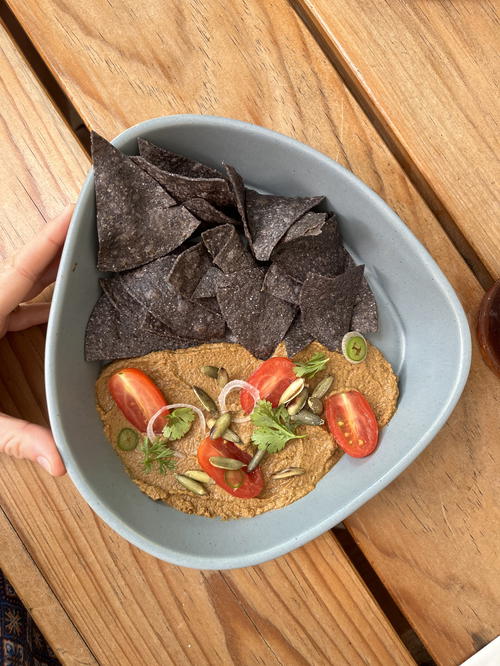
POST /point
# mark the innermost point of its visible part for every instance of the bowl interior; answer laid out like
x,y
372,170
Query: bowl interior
x,y
419,312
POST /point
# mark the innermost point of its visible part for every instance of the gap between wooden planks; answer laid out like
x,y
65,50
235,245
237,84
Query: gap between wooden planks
x,y
425,72
118,71
130,607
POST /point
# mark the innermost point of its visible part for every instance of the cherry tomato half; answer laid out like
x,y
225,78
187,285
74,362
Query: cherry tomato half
x,y
271,378
236,482
138,397
352,423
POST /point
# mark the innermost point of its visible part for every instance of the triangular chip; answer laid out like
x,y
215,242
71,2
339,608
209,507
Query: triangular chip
x,y
239,191
326,305
120,328
364,314
207,286
281,285
149,286
174,163
323,254
296,338
189,267
269,217
224,244
137,221
205,212
309,224
183,188
257,320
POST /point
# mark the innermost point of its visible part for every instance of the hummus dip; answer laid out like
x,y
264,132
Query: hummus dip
x,y
175,372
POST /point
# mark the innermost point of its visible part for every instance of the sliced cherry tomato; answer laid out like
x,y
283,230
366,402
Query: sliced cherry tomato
x,y
352,423
138,397
236,482
271,378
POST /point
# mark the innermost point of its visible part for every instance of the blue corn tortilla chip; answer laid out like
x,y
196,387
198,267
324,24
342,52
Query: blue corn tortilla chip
x,y
269,217
205,212
118,328
138,316
239,192
183,188
281,285
309,224
323,254
149,286
296,338
258,320
137,221
174,163
207,286
224,244
326,305
364,314
188,269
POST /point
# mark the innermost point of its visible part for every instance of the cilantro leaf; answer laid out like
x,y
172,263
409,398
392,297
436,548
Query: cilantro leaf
x,y
273,428
315,364
157,452
179,423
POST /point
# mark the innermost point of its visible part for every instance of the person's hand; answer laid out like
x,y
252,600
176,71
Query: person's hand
x,y
21,279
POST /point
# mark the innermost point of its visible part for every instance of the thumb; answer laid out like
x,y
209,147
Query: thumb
x,y
21,439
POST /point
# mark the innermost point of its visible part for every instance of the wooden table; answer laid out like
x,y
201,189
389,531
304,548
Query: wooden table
x,y
403,95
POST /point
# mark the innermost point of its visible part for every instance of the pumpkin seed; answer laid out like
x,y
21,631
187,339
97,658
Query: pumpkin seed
x,y
232,436
211,423
315,405
323,387
295,405
206,401
226,463
292,391
198,475
258,457
191,484
220,426
305,417
222,378
288,473
210,371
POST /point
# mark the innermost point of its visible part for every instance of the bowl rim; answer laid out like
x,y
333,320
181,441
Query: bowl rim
x,y
92,498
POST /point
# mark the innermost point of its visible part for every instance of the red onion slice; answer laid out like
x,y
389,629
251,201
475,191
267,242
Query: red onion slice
x,y
150,429
232,386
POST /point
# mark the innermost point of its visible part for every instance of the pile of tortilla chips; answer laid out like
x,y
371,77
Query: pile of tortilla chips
x,y
193,256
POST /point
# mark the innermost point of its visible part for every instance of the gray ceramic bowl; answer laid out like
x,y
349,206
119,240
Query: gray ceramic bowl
x,y
423,332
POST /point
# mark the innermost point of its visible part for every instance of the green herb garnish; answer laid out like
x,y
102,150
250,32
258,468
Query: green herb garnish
x,y
315,364
157,452
273,427
179,423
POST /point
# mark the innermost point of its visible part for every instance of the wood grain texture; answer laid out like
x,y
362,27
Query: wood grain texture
x,y
255,61
131,608
37,596
42,172
429,72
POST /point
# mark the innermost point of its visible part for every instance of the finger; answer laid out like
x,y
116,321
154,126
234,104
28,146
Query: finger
x,y
48,277
27,315
21,439
18,280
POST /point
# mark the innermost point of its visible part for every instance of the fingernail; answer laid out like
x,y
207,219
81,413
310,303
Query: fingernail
x,y
43,462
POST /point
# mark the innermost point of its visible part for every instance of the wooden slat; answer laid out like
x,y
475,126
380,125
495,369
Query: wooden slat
x,y
39,599
129,607
429,73
256,61
41,170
